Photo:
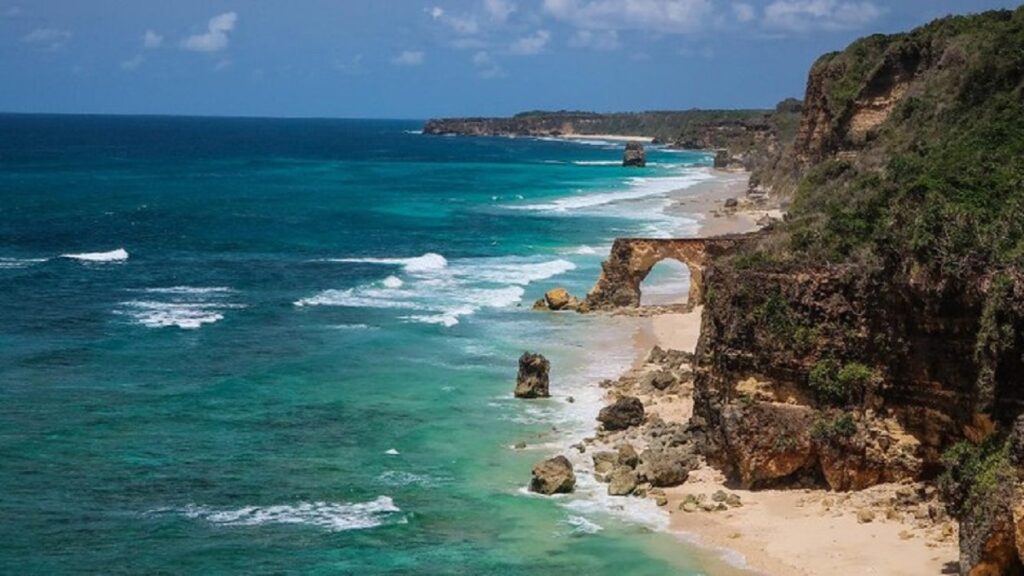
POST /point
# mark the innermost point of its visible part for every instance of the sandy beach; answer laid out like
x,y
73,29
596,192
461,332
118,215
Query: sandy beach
x,y
891,529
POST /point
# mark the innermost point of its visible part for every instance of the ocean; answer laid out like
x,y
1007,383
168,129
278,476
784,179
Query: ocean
x,y
288,346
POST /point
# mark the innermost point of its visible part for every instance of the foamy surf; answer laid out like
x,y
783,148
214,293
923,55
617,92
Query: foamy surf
x,y
638,188
118,255
426,263
330,516
436,291
18,263
185,307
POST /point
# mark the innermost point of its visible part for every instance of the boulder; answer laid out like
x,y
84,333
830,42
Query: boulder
x,y
605,456
623,481
634,155
532,380
623,413
661,380
627,456
722,158
667,466
732,203
559,299
553,476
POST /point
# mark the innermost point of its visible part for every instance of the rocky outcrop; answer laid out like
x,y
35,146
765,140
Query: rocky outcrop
x,y
553,476
631,260
623,481
623,413
634,155
532,380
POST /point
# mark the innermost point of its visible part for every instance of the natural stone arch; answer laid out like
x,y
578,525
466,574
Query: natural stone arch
x,y
631,260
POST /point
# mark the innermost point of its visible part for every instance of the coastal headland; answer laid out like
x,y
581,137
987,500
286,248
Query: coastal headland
x,y
844,397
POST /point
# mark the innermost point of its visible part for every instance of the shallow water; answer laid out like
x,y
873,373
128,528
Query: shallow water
x,y
266,346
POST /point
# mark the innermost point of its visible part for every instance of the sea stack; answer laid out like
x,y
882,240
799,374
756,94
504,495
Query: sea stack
x,y
553,476
532,380
635,155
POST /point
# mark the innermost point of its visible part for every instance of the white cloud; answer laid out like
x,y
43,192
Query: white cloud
x,y
669,16
804,15
595,39
530,45
152,40
132,64
12,12
51,39
436,12
408,58
486,66
744,12
216,37
499,10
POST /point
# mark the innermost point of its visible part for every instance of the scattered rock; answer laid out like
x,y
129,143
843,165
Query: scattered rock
x,y
532,380
689,506
864,516
669,358
634,155
661,380
623,482
560,299
734,501
605,457
731,203
666,467
623,413
520,445
553,476
627,456
719,496
660,499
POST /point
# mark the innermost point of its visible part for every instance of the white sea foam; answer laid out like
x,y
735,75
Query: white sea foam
x,y
391,452
435,291
16,263
419,264
118,255
188,290
581,525
598,162
639,187
330,516
185,307
586,250
416,132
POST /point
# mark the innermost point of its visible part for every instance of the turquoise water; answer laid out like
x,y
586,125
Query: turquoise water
x,y
287,346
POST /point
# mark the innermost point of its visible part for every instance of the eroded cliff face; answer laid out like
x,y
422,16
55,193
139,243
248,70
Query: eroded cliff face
x,y
863,381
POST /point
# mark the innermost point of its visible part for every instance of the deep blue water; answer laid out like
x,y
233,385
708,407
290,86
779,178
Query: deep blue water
x,y
287,346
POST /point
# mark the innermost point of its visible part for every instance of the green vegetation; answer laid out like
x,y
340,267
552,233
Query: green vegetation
x,y
839,426
974,477
938,186
836,384
996,336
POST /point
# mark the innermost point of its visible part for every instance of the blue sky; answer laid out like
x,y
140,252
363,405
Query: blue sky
x,y
413,59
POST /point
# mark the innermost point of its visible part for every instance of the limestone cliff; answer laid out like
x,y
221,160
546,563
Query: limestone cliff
x,y
878,333
749,137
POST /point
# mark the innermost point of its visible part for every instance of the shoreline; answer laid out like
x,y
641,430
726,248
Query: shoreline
x,y
810,528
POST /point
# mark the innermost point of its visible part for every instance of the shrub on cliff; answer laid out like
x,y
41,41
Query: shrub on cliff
x,y
838,384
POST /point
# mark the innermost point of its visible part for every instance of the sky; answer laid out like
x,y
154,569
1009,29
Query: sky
x,y
420,59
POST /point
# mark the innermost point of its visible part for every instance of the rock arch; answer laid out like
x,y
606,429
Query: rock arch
x,y
631,260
